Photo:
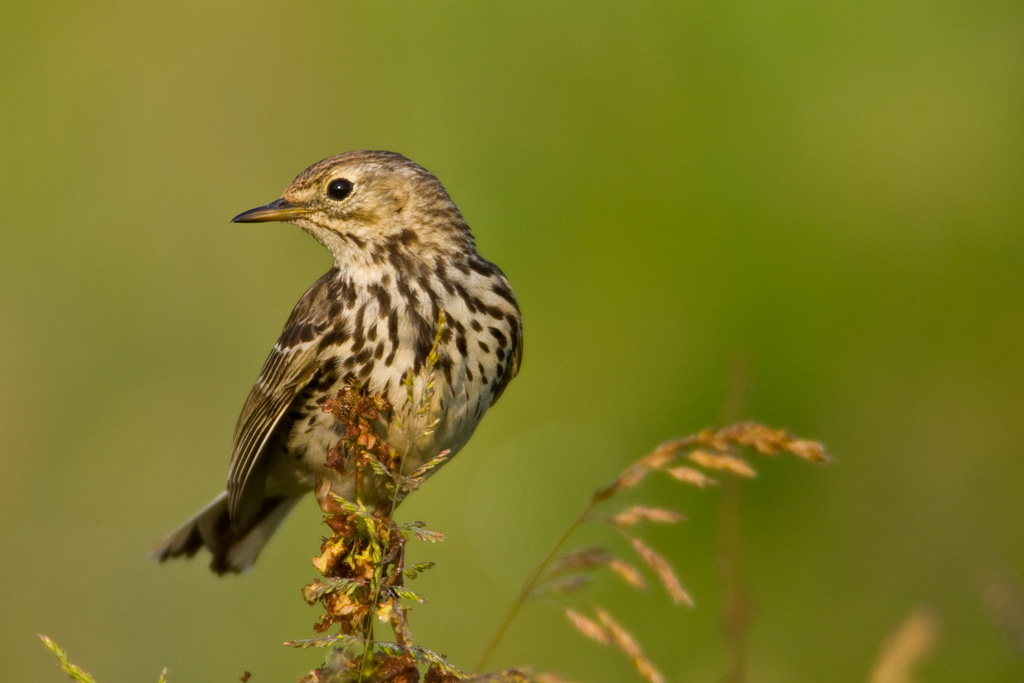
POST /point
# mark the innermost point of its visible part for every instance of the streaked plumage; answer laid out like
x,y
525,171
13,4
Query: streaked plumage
x,y
402,254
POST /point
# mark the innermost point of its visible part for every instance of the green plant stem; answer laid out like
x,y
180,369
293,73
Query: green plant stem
x,y
368,637
377,575
425,398
531,583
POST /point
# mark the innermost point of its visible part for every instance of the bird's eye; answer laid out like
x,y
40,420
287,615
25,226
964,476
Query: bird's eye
x,y
339,188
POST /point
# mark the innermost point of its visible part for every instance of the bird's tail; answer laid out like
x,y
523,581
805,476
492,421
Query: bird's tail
x,y
234,551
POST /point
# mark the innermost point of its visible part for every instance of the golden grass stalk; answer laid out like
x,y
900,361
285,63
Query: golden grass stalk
x,y
906,648
714,450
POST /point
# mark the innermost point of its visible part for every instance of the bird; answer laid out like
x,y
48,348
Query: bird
x,y
406,280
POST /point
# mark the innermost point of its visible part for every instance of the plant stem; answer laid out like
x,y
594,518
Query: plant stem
x,y
531,583
379,570
736,605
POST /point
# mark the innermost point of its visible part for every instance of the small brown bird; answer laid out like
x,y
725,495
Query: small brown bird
x,y
403,258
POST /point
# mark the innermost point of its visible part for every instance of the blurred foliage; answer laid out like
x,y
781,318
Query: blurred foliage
x,y
831,193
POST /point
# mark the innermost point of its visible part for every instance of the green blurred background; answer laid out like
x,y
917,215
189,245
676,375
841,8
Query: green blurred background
x,y
829,195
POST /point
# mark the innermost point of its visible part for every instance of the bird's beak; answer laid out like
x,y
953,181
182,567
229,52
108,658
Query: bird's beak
x,y
281,210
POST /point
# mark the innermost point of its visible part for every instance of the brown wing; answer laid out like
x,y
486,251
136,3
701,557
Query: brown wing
x,y
286,372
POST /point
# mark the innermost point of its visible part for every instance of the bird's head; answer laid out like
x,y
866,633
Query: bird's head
x,y
362,205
